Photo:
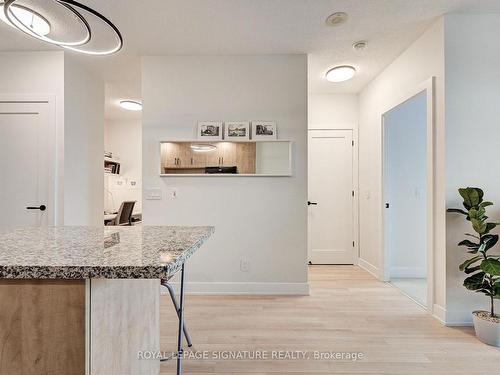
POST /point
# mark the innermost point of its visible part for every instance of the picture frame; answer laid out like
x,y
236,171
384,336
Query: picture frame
x,y
264,130
209,130
237,130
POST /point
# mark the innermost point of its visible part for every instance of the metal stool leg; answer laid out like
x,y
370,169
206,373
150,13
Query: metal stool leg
x,y
177,309
180,350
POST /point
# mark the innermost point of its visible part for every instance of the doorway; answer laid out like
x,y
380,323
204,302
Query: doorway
x,y
331,197
407,196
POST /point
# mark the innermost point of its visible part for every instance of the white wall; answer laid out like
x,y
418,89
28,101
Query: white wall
x,y
40,73
472,139
261,220
124,139
332,111
422,60
406,185
83,145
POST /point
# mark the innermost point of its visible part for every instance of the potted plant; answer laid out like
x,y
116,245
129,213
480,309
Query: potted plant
x,y
483,268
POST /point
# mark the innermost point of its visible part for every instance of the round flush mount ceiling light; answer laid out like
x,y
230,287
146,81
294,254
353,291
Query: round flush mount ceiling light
x,y
203,147
131,105
340,73
65,23
337,19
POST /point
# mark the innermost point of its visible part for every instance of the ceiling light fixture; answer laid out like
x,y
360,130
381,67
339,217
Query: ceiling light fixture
x,y
34,21
360,45
19,16
340,73
131,105
203,147
337,19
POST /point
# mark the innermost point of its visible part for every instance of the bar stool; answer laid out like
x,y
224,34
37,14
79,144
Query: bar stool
x,y
177,309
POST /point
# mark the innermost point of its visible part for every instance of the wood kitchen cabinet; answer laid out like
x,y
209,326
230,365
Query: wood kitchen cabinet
x,y
179,158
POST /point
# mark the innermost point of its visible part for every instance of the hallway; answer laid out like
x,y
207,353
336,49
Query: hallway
x,y
348,311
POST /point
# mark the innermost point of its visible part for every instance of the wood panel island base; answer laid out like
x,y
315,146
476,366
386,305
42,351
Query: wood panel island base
x,y
82,300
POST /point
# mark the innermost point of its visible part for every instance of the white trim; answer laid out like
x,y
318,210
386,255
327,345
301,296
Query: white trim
x,y
241,288
355,186
406,295
459,318
368,267
408,272
428,87
439,312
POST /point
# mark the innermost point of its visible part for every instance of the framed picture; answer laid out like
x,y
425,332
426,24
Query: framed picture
x,y
264,130
210,130
237,131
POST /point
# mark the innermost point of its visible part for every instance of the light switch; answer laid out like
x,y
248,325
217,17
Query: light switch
x,y
173,193
153,194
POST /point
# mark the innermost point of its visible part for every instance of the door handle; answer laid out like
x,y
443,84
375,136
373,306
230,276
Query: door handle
x,y
42,207
387,205
312,203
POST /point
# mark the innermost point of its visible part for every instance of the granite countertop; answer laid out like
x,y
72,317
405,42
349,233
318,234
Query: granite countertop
x,y
136,252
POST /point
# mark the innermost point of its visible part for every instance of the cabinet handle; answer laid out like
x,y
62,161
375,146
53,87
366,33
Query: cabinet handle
x,y
222,163
191,161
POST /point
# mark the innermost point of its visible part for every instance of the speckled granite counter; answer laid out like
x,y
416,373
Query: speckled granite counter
x,y
137,252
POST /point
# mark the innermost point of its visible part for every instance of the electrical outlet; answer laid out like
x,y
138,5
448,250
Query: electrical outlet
x,y
244,265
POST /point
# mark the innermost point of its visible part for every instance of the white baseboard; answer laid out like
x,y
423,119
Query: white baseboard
x,y
375,271
439,312
459,318
250,289
408,272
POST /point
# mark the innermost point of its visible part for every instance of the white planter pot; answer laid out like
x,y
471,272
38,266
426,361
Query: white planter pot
x,y
486,330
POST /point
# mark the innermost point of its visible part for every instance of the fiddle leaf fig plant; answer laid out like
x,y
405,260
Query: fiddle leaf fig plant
x,y
483,268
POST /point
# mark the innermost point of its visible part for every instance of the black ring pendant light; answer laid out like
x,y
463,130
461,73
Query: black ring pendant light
x,y
72,7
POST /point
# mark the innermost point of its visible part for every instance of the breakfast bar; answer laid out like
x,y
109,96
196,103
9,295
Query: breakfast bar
x,y
85,300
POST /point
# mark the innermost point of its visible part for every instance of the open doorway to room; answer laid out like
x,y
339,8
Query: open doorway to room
x,y
407,150
122,155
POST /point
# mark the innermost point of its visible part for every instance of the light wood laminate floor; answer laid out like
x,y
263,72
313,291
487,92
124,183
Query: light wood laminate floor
x,y
348,311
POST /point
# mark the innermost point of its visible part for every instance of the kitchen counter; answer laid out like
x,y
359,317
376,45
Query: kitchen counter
x,y
86,300
136,252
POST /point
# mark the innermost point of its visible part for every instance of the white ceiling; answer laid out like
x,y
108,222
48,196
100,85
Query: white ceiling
x,y
163,27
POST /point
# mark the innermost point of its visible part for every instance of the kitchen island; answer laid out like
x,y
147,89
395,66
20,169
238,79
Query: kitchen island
x,y
85,300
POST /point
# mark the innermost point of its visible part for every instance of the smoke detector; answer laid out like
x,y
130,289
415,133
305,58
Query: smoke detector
x,y
337,19
360,45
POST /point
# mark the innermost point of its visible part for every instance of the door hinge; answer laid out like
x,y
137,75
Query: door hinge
x,y
353,244
353,193
353,143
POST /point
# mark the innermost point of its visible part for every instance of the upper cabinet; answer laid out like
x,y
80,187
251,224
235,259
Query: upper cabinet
x,y
271,158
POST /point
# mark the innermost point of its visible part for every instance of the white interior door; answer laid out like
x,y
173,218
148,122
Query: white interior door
x,y
26,133
331,214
